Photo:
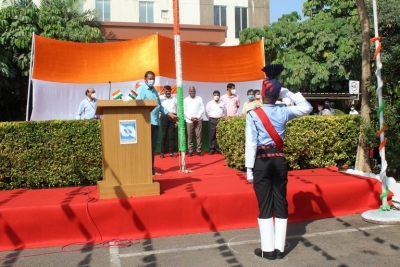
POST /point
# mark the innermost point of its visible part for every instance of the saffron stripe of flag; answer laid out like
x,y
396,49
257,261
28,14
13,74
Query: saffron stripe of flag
x,y
117,94
133,95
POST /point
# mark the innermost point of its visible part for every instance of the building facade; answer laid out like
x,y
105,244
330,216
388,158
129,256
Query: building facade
x,y
220,19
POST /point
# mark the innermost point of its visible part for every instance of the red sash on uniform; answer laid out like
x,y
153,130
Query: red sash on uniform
x,y
269,127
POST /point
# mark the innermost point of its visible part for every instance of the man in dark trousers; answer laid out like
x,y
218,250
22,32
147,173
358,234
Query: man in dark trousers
x,y
148,91
265,161
215,110
168,125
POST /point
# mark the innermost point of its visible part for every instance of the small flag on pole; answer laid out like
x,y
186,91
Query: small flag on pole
x,y
117,94
133,94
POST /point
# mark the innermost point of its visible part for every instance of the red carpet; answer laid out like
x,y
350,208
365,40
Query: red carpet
x,y
211,198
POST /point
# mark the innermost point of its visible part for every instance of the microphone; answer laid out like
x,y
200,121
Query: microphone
x,y
109,90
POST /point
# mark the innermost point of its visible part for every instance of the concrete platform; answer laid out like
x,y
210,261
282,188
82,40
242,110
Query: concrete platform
x,y
382,217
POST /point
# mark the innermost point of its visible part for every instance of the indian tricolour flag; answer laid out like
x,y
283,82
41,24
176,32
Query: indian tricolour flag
x,y
58,70
133,94
117,94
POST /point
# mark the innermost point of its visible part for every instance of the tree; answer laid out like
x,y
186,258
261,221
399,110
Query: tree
x,y
62,20
389,31
362,159
17,22
56,19
312,45
318,53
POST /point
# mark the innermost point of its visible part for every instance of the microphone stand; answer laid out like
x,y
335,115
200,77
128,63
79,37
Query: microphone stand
x,y
109,90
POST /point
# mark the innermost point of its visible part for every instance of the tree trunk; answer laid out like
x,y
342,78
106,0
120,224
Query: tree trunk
x,y
362,160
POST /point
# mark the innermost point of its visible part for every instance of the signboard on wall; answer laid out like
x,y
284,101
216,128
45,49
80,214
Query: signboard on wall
x,y
354,87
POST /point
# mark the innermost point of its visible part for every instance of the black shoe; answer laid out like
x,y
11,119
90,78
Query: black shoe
x,y
212,152
219,151
267,255
190,154
279,254
200,154
162,155
172,155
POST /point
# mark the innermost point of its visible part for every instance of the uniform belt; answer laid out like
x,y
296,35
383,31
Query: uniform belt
x,y
215,118
266,146
269,151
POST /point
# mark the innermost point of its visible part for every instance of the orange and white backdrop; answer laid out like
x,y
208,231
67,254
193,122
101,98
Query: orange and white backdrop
x,y
62,70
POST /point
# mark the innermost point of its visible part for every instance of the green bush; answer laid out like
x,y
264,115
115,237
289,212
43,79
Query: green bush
x,y
338,112
45,154
231,139
310,141
321,141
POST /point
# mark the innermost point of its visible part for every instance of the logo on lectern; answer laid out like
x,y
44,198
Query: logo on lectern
x,y
127,132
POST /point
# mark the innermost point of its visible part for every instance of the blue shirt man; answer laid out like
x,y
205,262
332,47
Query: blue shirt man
x,y
87,107
265,161
147,91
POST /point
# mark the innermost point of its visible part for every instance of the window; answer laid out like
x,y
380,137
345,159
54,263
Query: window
x,y
220,15
240,20
146,12
103,9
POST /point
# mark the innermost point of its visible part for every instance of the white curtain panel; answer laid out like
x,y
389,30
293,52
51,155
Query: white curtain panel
x,y
60,101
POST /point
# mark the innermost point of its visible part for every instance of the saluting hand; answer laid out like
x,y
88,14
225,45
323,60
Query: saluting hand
x,y
285,93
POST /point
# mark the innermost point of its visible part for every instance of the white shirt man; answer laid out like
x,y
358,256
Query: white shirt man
x,y
193,110
215,109
353,111
168,125
170,103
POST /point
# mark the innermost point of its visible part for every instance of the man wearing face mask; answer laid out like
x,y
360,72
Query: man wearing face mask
x,y
193,110
231,100
215,110
147,91
251,103
353,111
167,123
257,95
87,107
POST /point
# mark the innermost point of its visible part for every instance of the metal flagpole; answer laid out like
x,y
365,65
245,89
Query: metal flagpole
x,y
30,77
178,68
384,214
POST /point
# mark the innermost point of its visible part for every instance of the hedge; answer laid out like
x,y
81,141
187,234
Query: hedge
x,y
47,154
310,141
43,154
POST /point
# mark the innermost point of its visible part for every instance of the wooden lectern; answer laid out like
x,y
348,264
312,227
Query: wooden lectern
x,y
126,146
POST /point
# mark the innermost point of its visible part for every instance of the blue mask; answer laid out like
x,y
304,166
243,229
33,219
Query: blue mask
x,y
251,97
